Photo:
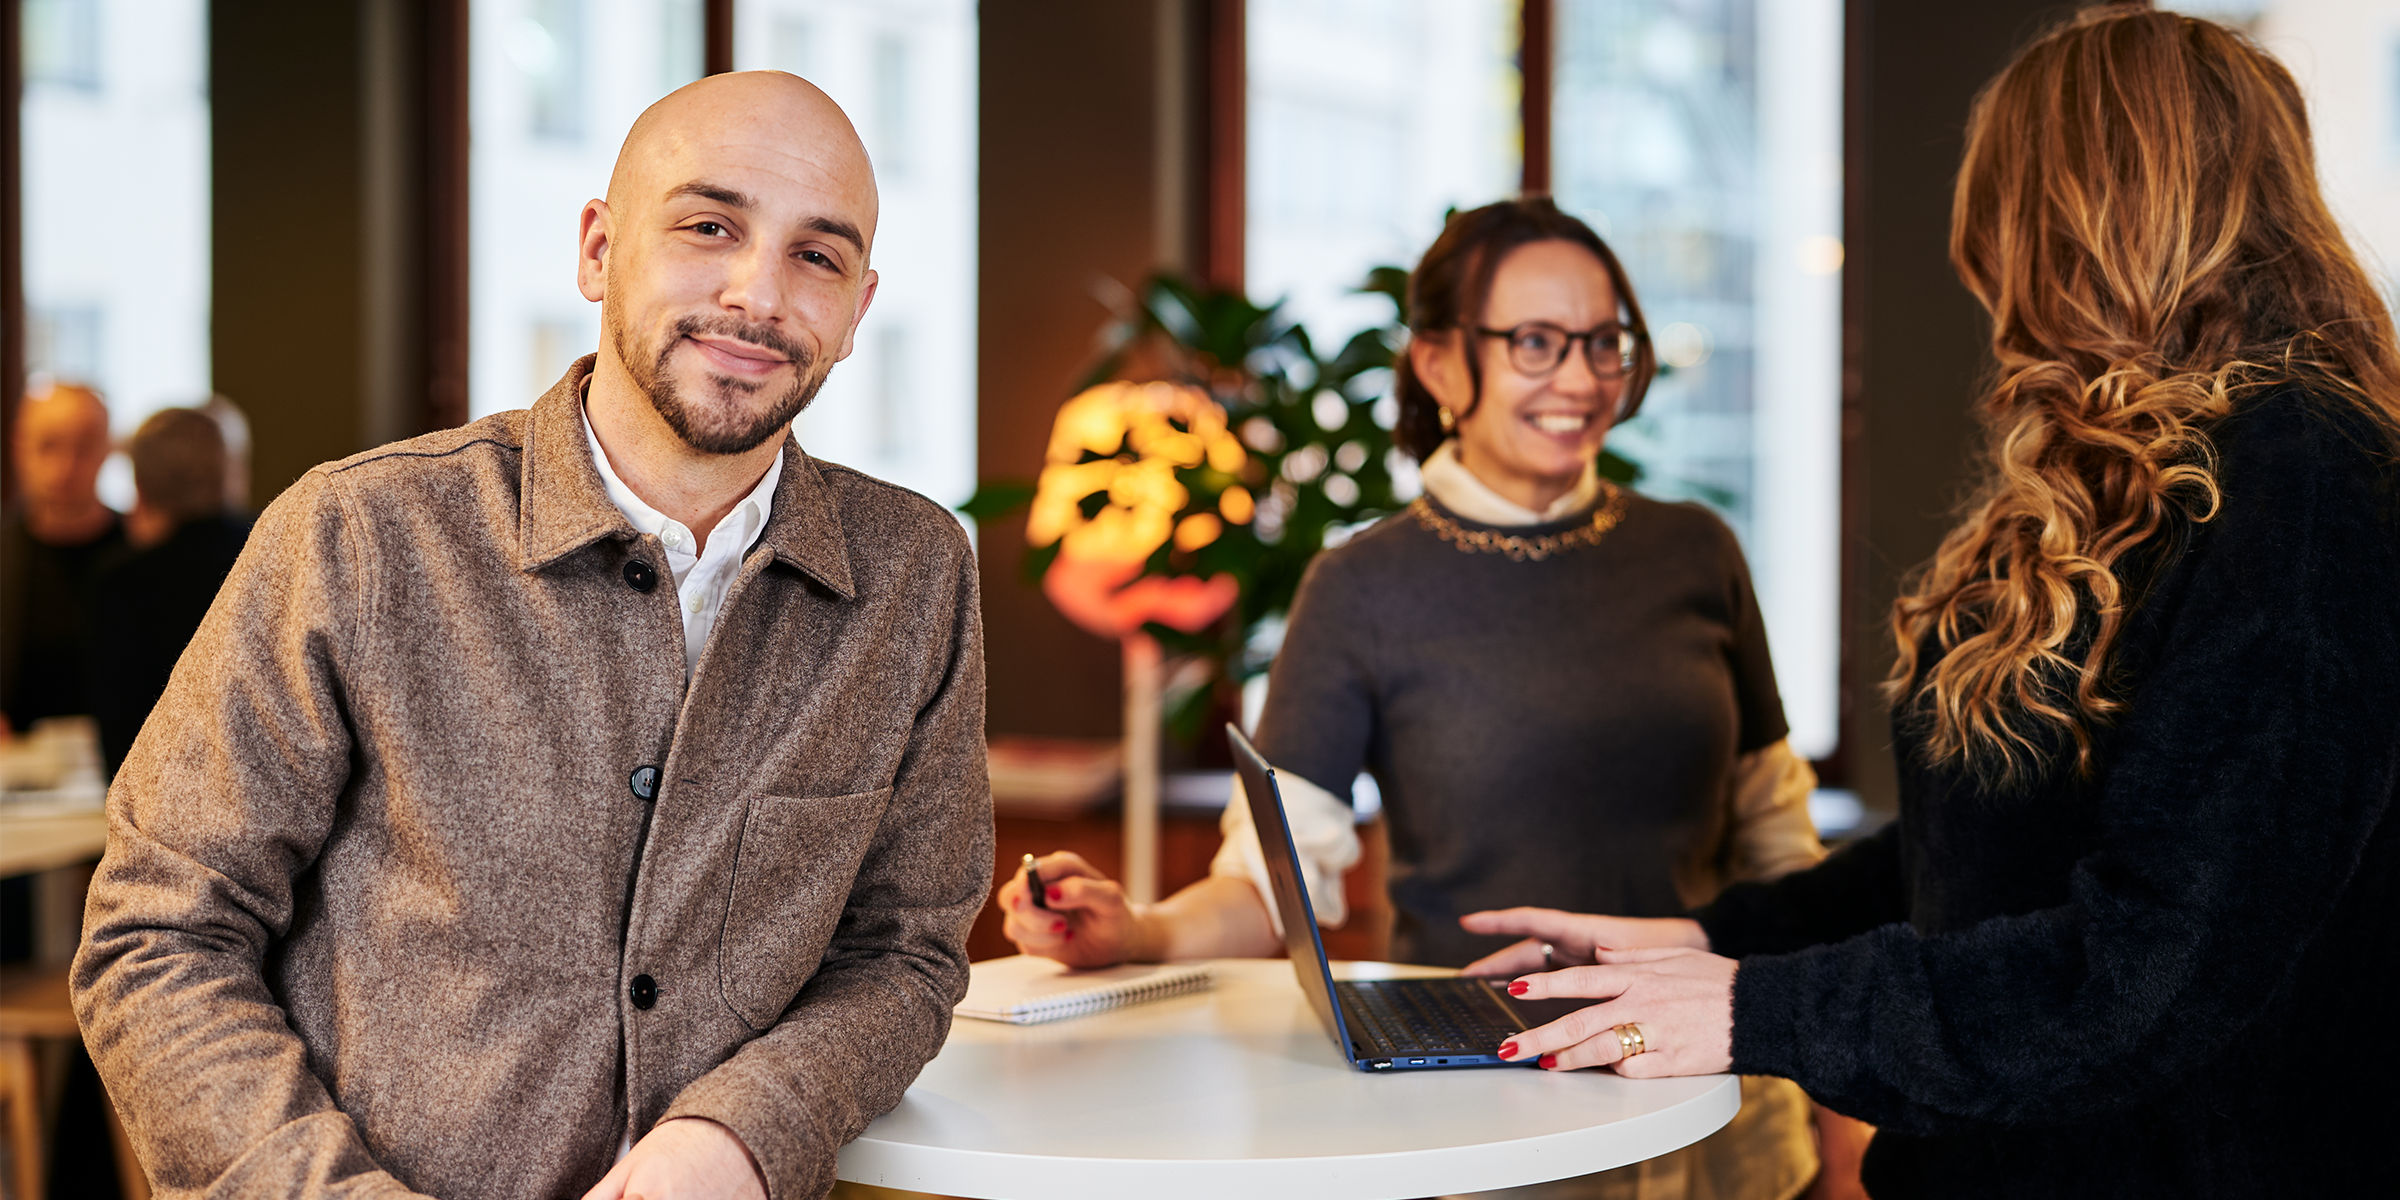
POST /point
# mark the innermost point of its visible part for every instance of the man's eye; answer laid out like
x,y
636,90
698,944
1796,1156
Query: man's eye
x,y
706,228
818,258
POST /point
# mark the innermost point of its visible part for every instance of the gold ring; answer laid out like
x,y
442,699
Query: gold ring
x,y
1629,1041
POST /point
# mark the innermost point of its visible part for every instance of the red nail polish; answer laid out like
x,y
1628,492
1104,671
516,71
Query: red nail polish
x,y
1069,935
1549,1062
1057,895
1518,987
1508,1049
1058,927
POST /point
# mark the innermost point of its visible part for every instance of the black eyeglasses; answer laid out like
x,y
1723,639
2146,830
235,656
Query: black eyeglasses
x,y
1536,348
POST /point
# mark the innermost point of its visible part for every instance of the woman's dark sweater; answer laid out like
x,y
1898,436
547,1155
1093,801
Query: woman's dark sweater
x,y
2175,976
1555,732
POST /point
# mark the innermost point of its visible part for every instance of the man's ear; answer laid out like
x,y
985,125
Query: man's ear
x,y
591,250
866,296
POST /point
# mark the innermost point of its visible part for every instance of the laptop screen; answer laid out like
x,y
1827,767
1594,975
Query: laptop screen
x,y
1300,940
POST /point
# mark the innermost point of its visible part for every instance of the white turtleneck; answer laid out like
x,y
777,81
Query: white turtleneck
x,y
1462,491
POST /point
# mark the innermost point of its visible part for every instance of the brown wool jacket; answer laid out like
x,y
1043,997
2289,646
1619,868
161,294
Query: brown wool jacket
x,y
383,911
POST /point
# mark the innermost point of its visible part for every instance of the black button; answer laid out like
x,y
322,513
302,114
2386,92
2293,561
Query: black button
x,y
644,992
641,575
644,782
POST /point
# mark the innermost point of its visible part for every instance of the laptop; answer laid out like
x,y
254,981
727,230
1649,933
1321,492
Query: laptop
x,y
1383,1024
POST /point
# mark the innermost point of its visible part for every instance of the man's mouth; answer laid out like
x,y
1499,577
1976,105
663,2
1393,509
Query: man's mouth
x,y
736,357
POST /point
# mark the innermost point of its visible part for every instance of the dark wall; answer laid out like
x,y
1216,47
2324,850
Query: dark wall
x,y
1916,341
311,115
1071,200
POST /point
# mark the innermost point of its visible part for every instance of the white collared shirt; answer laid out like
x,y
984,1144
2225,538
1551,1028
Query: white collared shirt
x,y
703,574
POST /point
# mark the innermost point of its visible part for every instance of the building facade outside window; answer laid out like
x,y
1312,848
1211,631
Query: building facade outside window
x,y
552,87
1702,138
115,124
1368,121
902,406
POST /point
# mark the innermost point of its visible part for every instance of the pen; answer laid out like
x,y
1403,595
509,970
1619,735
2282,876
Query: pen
x,y
1033,885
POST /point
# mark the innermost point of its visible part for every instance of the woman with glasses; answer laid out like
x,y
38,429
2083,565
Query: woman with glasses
x,y
2137,929
1562,687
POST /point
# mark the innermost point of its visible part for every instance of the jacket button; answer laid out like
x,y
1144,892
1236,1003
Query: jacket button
x,y
643,993
641,575
644,782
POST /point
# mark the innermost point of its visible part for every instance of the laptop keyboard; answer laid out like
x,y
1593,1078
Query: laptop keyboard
x,y
1425,1016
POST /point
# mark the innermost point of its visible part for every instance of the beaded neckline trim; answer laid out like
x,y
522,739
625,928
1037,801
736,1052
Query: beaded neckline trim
x,y
1517,547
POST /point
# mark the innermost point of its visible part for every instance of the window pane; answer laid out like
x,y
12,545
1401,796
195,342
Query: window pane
x,y
1368,121
116,138
902,406
553,86
2346,56
1702,138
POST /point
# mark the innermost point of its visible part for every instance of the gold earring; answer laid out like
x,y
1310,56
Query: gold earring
x,y
1448,423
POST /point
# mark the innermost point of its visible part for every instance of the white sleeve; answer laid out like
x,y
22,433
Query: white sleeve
x,y
1772,833
1324,830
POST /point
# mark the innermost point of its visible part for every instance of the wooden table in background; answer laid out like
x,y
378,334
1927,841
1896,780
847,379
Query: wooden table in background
x,y
48,838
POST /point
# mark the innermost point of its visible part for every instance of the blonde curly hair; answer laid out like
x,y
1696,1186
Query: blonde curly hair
x,y
2138,211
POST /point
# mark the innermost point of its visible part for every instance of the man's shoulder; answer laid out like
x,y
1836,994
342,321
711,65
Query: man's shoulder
x,y
495,441
878,511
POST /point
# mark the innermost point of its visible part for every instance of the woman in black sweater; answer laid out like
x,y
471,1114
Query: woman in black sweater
x,y
2137,929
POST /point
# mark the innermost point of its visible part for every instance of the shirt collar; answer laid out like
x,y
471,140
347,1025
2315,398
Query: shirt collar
x,y
752,512
563,504
1458,489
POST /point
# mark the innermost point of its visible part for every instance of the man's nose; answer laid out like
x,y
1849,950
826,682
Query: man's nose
x,y
754,286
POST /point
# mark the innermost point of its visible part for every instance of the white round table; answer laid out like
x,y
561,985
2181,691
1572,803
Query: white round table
x,y
1238,1090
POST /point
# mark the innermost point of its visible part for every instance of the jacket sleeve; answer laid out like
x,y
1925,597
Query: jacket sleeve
x,y
2244,783
879,1006
228,793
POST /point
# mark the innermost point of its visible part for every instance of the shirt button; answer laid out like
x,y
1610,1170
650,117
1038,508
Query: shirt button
x,y
699,604
644,782
641,576
643,993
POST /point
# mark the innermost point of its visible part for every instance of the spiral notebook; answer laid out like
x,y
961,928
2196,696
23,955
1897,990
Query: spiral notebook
x,y
1025,990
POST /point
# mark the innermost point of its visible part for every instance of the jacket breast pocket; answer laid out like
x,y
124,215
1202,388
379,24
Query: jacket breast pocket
x,y
792,872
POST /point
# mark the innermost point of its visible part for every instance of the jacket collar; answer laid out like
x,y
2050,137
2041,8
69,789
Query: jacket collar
x,y
563,506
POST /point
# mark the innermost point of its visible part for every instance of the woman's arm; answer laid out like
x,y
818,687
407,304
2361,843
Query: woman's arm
x,y
1320,708
1090,923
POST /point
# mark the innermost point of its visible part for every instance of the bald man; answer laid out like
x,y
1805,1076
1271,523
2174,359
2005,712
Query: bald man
x,y
51,551
588,801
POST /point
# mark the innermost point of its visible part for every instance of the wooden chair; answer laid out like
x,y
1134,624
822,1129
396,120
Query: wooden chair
x,y
33,1007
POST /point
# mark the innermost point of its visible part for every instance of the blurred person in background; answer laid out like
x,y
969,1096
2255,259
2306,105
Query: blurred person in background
x,y
235,425
51,551
149,600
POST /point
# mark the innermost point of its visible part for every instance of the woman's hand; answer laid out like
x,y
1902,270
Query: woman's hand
x,y
1089,922
1572,936
1681,998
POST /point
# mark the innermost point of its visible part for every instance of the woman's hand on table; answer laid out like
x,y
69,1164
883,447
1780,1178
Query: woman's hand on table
x,y
1682,1000
1572,937
1089,922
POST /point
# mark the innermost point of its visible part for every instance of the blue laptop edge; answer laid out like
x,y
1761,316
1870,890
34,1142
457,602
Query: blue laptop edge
x,y
1300,937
